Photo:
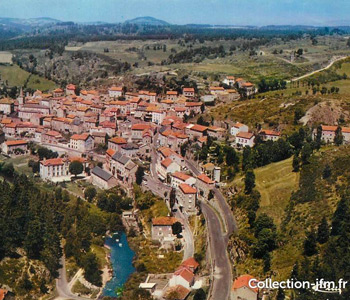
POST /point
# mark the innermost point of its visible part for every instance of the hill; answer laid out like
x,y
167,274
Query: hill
x,y
147,21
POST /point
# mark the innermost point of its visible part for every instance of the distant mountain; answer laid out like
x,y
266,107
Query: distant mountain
x,y
147,21
27,24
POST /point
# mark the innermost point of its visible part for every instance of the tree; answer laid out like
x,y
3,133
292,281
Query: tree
x,y
172,197
90,193
296,162
300,52
298,114
200,295
176,228
92,272
140,173
341,216
280,294
306,152
310,245
231,156
249,181
318,137
338,139
327,172
76,167
323,231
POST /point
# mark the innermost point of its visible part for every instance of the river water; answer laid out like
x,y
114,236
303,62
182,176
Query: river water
x,y
121,260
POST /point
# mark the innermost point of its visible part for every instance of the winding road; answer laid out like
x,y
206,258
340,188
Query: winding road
x,y
333,60
62,286
218,241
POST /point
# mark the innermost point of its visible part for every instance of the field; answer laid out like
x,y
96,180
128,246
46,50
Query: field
x,y
276,182
5,57
271,60
15,76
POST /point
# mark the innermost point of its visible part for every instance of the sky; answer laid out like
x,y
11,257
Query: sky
x,y
219,12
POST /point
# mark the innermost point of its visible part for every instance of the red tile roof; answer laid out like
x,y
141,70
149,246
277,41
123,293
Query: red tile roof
x,y
52,162
118,140
140,126
116,89
329,128
164,221
199,128
16,143
185,273
110,152
187,189
181,176
190,263
243,281
270,132
188,90
205,179
2,294
80,137
178,290
245,135
166,162
172,93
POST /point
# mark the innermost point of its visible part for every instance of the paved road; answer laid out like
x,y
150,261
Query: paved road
x,y
229,219
159,188
333,60
187,235
222,282
218,241
62,285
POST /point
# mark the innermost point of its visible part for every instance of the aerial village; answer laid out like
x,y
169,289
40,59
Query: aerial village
x,y
113,132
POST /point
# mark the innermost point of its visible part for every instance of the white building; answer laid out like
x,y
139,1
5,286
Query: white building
x,y
54,168
115,92
82,142
269,135
245,139
178,178
238,127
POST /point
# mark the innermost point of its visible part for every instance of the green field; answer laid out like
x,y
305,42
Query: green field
x,y
15,76
276,182
239,63
5,57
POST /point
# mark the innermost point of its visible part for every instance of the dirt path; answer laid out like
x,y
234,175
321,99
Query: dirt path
x,y
333,60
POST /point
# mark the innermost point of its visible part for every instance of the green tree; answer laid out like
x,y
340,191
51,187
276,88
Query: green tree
x,y
327,172
306,152
90,193
231,157
298,114
76,168
200,295
91,268
249,181
310,245
280,294
140,173
341,216
296,163
338,139
176,228
323,231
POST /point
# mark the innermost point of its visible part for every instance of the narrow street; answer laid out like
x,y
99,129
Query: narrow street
x,y
62,286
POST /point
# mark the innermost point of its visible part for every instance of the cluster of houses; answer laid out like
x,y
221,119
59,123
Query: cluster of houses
x,y
125,123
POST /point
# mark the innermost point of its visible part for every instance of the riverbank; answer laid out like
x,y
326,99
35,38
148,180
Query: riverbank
x,y
120,264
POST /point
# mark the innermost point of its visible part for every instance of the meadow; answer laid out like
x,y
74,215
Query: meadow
x,y
15,76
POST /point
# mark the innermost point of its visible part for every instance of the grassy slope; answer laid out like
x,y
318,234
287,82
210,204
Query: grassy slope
x,y
276,182
238,64
18,77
